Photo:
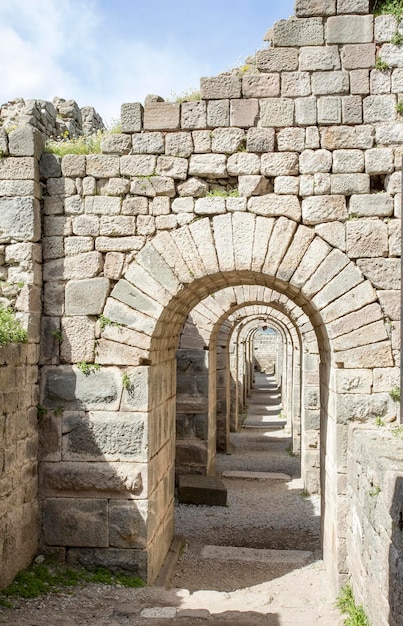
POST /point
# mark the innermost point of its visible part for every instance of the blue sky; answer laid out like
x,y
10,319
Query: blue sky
x,y
106,52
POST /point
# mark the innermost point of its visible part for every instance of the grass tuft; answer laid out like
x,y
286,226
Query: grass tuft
x,y
355,614
11,330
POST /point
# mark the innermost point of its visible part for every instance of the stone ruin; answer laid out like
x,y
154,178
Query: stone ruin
x,y
144,272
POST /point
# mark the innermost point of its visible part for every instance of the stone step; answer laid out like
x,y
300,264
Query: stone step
x,y
197,489
279,557
256,475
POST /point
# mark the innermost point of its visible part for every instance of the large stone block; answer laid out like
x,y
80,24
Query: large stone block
x,y
371,205
277,59
227,140
173,167
291,140
116,144
243,164
279,164
207,490
392,55
353,6
260,86
314,161
298,32
219,87
86,297
210,206
136,392
306,111
133,165
128,524
348,184
367,238
104,436
19,219
260,140
178,144
350,29
347,137
330,83
390,303
310,8
352,109
312,59
75,522
358,56
162,116
78,335
295,84
102,165
116,559
131,117
329,110
379,108
18,168
26,142
277,112
348,161
208,165
194,115
244,113
271,205
70,388
323,209
148,143
383,273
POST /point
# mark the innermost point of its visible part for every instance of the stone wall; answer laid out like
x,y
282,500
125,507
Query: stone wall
x,y
375,532
266,356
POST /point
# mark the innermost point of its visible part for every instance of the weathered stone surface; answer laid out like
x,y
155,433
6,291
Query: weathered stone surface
x,y
162,116
390,303
255,186
348,184
128,524
379,108
291,140
285,185
313,58
329,110
277,59
279,164
131,117
358,56
26,142
277,112
19,219
227,140
367,238
371,205
78,335
346,161
260,86
260,140
86,297
243,164
392,55
193,187
194,114
222,86
349,29
67,386
174,167
323,209
271,205
308,8
76,522
295,84
148,143
347,138
102,165
351,109
133,165
298,32
244,113
201,141
207,490
305,111
218,113
104,436
18,168
383,273
379,161
313,161
330,83
208,165
178,144
210,206
109,478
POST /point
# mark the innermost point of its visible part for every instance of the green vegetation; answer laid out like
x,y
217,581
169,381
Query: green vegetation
x,y
397,39
41,412
88,368
395,394
391,7
126,382
87,144
47,578
397,431
290,451
57,334
105,321
374,491
223,193
346,604
379,421
11,330
399,107
190,95
381,65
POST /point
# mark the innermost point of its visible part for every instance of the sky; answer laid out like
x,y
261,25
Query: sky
x,y
102,53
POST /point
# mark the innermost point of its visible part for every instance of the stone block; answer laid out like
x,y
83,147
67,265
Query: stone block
x,y
201,141
67,386
218,113
163,186
255,186
116,144
134,165
243,164
19,219
208,165
86,225
386,379
131,117
397,80
220,87
383,273
210,206
392,55
244,113
86,297
305,111
371,205
183,205
314,161
295,84
310,8
379,161
50,166
104,436
235,204
102,165
279,164
113,266
379,108
347,137
194,115
330,83
116,559
128,524
26,141
333,233
298,32
18,168
380,82
116,226
358,56
277,112
261,86
390,303
147,143
173,167
207,490
271,205
74,165
367,238
353,6
291,140
260,140
78,339
351,110
395,243
22,188
316,210
284,185
227,140
277,59
162,116
329,110
178,144
348,161
75,522
349,184
349,29
313,59
359,82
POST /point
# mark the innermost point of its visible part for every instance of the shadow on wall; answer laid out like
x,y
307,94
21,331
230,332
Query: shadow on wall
x,y
396,557
93,479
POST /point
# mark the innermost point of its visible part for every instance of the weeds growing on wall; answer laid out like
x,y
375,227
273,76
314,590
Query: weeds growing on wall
x,y
11,330
47,578
355,615
391,7
87,144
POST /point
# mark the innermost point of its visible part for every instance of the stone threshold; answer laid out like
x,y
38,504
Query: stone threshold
x,y
279,557
256,475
